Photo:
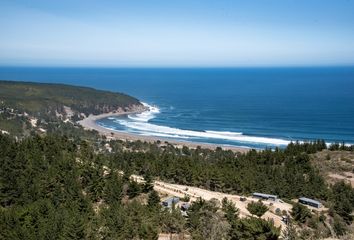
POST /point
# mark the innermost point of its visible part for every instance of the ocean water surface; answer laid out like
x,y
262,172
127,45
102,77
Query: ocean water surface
x,y
251,107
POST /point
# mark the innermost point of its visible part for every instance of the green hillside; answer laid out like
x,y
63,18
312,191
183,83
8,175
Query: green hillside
x,y
27,108
39,98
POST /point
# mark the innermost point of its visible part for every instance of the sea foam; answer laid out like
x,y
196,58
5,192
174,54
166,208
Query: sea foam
x,y
139,123
146,115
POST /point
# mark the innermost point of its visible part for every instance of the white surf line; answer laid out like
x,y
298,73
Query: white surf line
x,y
139,123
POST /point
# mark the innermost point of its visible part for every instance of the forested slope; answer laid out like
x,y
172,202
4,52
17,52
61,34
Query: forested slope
x,y
28,108
55,188
37,98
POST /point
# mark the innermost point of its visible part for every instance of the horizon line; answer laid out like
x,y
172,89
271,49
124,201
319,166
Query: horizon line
x,y
179,67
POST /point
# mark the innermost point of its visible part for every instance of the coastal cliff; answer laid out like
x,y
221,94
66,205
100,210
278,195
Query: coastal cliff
x,y
27,107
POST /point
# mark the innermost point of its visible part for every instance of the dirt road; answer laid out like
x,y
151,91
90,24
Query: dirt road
x,y
194,193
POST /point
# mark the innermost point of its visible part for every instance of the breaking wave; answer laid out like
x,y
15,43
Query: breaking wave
x,y
145,116
139,124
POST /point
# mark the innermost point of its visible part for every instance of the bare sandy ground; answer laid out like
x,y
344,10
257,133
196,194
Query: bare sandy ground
x,y
90,124
194,193
347,177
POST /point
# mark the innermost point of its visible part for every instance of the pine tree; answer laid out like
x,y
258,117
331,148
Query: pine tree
x,y
230,210
113,191
289,233
257,208
300,213
154,199
133,189
148,185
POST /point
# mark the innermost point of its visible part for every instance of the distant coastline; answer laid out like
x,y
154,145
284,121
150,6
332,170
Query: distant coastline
x,y
89,123
267,107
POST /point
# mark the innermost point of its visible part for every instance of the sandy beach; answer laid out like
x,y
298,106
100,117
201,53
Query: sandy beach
x,y
89,123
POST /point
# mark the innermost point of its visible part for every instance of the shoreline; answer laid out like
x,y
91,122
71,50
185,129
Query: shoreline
x,y
89,123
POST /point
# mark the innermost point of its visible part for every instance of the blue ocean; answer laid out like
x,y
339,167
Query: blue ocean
x,y
249,107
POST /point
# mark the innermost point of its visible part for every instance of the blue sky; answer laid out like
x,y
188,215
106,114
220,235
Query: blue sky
x,y
179,33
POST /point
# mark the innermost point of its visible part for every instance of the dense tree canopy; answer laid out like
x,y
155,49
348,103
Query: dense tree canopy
x,y
41,99
257,208
53,187
287,173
